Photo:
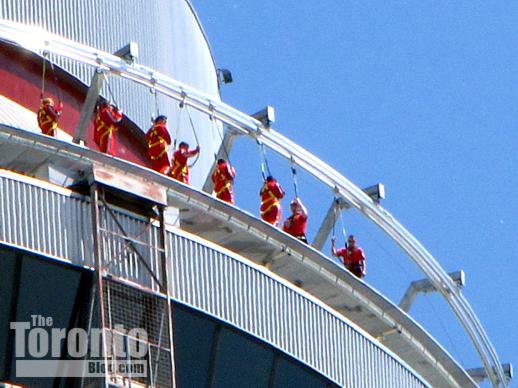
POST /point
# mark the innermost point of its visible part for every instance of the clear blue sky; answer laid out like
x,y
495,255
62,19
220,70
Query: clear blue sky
x,y
421,96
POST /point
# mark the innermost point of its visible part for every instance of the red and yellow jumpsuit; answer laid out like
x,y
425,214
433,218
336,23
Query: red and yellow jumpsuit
x,y
179,168
105,126
158,141
353,259
223,177
271,193
48,117
296,225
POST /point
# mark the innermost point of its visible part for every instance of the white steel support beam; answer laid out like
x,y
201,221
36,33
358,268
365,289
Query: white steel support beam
x,y
479,374
327,224
89,106
38,41
426,286
376,192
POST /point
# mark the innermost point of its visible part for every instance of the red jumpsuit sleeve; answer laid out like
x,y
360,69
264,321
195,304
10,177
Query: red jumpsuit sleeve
x,y
165,134
229,172
277,191
190,153
340,252
263,189
114,115
286,227
148,134
52,113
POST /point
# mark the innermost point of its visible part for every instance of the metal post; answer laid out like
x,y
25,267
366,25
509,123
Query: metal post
x,y
94,202
425,286
89,105
149,366
128,359
165,290
480,374
376,192
91,306
326,226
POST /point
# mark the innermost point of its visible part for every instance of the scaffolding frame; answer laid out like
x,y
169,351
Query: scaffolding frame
x,y
100,183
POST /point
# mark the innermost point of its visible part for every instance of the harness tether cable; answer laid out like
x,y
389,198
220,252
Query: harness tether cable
x,y
58,92
294,175
335,202
181,104
337,209
195,136
44,75
44,70
156,112
215,129
344,233
110,93
265,168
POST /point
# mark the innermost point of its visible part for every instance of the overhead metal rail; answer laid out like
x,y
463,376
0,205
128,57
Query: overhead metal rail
x,y
40,41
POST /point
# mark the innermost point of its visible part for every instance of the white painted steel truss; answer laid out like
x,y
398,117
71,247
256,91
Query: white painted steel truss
x,y
40,41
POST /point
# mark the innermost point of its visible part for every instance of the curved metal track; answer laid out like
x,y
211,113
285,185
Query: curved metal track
x,y
39,41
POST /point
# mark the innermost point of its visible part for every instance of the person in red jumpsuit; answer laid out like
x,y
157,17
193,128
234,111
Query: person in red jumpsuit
x,y
352,256
179,168
223,178
106,122
48,116
296,224
271,193
158,141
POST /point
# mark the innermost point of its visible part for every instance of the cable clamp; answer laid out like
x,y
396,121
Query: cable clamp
x,y
211,111
184,96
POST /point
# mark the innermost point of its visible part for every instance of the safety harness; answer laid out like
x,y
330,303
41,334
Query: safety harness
x,y
184,170
227,185
45,119
161,140
271,197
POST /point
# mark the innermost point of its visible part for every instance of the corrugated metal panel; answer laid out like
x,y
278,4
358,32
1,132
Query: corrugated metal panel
x,y
170,40
243,295
52,221
47,221
13,115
